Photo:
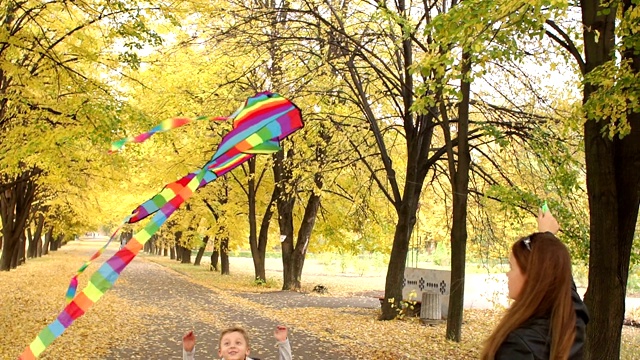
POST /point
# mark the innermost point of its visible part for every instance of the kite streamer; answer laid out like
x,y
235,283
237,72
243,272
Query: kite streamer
x,y
73,286
258,128
166,125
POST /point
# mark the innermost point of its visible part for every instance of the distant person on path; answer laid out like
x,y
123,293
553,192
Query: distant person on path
x,y
547,319
234,344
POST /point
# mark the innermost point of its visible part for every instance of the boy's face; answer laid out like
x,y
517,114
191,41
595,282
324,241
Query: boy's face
x,y
233,346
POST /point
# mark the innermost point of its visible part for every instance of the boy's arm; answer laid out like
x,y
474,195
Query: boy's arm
x,y
189,346
189,355
284,350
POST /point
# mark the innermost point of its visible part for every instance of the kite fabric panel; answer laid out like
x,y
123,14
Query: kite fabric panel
x,y
258,127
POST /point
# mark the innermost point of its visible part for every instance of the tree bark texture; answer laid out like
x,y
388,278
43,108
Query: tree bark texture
x,y
178,250
285,203
201,250
15,206
310,210
22,256
263,237
224,255
459,185
613,186
304,235
47,241
185,258
258,241
30,243
37,237
215,254
57,243
399,250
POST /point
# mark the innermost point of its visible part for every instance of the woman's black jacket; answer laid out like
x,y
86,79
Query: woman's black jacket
x,y
532,340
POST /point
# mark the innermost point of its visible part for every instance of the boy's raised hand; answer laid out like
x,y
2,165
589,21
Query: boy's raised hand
x,y
188,341
280,333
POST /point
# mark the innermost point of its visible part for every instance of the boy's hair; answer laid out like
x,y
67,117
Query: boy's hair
x,y
233,329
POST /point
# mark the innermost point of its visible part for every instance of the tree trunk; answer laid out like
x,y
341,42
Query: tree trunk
x,y
613,178
37,236
214,257
47,241
253,232
613,186
258,243
221,240
304,234
22,258
201,251
31,248
39,247
224,255
285,204
53,243
185,258
15,206
175,249
310,211
263,237
613,169
153,244
58,242
172,252
399,251
460,187
13,258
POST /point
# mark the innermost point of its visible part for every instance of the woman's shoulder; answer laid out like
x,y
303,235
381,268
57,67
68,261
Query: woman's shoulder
x,y
529,341
534,328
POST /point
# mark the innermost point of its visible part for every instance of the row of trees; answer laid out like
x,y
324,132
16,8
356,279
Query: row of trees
x,y
450,116
54,109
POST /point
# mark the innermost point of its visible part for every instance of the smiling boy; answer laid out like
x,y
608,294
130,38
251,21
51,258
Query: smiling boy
x,y
234,344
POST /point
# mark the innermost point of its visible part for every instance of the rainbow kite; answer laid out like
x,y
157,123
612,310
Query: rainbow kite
x,y
258,127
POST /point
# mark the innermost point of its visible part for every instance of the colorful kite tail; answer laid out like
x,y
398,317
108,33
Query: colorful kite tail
x,y
103,279
73,285
259,125
165,125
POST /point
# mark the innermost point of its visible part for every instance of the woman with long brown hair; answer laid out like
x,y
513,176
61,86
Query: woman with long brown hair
x,y
547,318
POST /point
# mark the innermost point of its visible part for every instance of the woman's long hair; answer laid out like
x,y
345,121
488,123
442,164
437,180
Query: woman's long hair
x,y
546,264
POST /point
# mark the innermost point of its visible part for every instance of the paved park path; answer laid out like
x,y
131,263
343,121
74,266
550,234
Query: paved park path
x,y
177,305
174,305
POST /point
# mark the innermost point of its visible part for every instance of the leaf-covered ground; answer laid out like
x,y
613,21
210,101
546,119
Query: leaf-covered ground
x,y
151,306
33,295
